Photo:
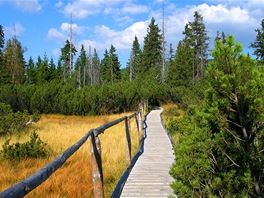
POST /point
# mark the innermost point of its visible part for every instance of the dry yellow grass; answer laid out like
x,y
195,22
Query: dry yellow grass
x,y
172,111
73,179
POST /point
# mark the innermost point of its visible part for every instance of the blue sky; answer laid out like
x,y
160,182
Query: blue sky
x,y
42,26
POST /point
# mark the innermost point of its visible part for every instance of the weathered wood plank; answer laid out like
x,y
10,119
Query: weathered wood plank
x,y
150,175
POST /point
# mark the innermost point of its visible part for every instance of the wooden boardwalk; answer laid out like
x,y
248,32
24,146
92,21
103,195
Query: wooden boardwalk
x,y
150,175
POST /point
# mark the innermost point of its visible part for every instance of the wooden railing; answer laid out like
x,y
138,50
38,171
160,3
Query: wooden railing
x,y
22,188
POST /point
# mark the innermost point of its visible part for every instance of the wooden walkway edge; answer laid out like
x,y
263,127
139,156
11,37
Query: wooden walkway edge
x,y
150,175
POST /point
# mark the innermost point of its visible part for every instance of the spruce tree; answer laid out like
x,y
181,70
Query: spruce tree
x,y
31,71
134,62
2,42
180,71
115,65
42,70
52,70
89,67
14,66
67,54
151,57
110,66
105,71
80,67
258,45
96,67
196,35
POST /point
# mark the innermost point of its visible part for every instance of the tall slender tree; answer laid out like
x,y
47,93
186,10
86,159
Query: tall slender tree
x,y
96,67
52,70
31,71
115,65
258,45
89,66
134,62
196,35
105,71
80,67
110,66
67,54
14,64
42,70
151,57
180,71
2,43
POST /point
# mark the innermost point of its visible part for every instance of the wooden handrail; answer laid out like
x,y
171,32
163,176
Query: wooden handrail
x,y
22,188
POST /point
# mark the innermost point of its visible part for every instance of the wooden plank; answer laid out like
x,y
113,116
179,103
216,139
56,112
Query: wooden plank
x,y
150,175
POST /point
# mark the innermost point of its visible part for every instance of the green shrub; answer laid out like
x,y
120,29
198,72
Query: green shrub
x,y
33,148
36,116
10,121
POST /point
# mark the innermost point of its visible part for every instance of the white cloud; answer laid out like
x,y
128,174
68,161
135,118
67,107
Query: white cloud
x,y
232,20
82,8
220,14
121,39
60,36
123,20
56,52
57,36
27,5
134,9
17,30
77,30
58,4
90,43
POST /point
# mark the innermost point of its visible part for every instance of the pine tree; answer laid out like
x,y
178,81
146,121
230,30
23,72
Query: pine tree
x,y
43,70
180,71
259,43
133,65
196,35
115,65
96,68
52,70
151,57
218,37
2,42
80,67
89,67
14,66
221,149
110,66
134,62
59,71
67,54
31,71
171,55
105,71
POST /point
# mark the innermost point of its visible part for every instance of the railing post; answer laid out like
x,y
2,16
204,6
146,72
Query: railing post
x,y
140,119
145,107
97,171
143,110
137,125
128,141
